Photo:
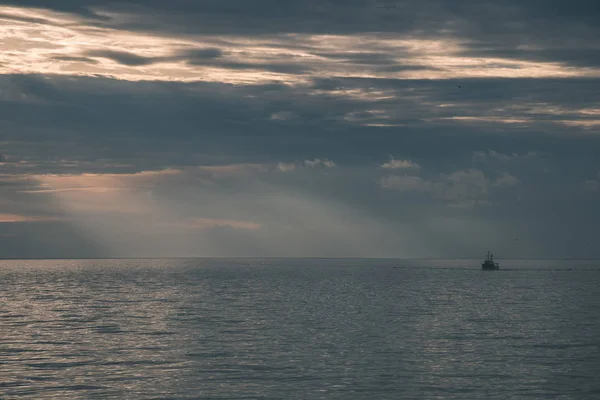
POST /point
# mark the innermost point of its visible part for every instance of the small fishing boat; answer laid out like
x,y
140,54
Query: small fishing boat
x,y
489,262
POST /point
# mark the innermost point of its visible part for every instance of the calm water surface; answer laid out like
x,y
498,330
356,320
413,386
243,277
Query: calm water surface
x,y
299,329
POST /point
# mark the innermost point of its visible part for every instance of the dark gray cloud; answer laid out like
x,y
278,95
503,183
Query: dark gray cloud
x,y
503,21
121,57
78,59
202,54
286,68
338,16
204,57
167,123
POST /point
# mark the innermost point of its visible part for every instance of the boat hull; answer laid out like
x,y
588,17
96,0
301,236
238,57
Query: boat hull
x,y
489,266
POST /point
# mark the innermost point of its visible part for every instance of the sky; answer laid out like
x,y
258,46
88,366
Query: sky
x,y
315,128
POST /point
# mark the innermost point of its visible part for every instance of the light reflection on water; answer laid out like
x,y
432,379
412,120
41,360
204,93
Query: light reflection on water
x,y
295,329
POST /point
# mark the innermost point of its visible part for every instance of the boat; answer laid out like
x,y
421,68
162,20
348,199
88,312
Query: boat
x,y
489,262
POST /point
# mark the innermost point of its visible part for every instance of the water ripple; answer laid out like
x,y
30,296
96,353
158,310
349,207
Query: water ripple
x,y
297,329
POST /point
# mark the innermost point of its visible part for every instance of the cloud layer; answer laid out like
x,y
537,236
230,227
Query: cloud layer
x,y
356,128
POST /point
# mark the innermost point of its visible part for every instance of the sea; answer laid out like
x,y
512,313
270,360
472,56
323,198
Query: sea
x,y
299,329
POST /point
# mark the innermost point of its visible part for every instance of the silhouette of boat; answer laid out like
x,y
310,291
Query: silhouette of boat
x,y
489,262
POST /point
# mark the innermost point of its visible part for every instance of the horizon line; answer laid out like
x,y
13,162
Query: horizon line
x,y
290,258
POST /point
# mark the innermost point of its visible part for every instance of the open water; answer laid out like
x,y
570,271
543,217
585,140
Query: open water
x,y
299,329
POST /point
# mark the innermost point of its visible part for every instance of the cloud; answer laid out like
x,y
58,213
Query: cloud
x,y
494,155
485,25
188,44
591,185
120,57
315,163
173,212
463,188
76,59
506,180
102,181
202,54
406,183
207,223
400,164
126,117
319,162
286,167
464,185
231,170
15,218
